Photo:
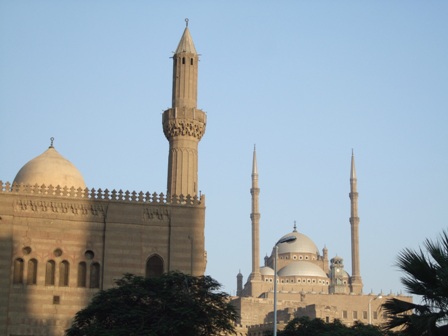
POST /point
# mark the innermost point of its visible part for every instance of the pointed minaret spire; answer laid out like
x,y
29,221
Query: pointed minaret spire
x,y
255,219
254,162
356,280
353,169
183,123
185,73
186,43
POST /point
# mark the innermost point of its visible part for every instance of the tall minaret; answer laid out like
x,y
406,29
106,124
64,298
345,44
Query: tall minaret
x,y
183,123
255,219
356,281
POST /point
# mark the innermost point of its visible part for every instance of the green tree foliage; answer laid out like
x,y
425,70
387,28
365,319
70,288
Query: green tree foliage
x,y
426,275
172,304
304,326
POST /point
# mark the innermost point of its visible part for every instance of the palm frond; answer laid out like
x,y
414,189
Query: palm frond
x,y
425,275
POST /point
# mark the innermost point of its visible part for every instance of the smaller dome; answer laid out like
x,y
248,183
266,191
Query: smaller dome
x,y
50,168
302,244
265,270
302,268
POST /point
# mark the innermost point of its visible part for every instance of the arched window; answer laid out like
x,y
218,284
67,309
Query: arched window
x,y
154,266
49,273
64,272
18,271
32,272
82,274
95,275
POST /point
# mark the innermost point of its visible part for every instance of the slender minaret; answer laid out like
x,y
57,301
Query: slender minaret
x,y
183,123
356,281
255,219
239,284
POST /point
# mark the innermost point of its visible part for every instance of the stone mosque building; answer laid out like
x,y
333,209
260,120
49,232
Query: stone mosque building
x,y
62,242
308,282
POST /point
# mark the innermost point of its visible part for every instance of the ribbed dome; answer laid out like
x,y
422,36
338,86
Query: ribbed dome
x,y
50,168
302,268
302,244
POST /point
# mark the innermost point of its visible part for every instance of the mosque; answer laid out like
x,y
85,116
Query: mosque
x,y
306,281
62,242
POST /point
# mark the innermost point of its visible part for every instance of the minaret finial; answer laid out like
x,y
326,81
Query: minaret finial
x,y
295,227
51,142
186,22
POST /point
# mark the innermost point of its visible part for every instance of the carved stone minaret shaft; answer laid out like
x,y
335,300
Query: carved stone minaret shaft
x,y
255,219
184,124
356,281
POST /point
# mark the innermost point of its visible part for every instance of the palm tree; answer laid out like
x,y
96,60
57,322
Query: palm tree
x,y
426,275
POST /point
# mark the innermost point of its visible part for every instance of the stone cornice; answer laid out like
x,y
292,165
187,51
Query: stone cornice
x,y
65,195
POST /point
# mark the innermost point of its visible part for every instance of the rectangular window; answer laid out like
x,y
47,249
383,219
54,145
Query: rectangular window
x,y
344,314
364,315
355,315
375,315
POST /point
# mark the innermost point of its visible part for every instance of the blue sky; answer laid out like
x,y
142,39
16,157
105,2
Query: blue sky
x,y
306,81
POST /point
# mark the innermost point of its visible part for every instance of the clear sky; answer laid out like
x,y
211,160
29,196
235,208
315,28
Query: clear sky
x,y
306,81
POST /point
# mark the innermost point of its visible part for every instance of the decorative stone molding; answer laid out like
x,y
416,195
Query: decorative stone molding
x,y
183,127
88,195
183,121
58,207
155,214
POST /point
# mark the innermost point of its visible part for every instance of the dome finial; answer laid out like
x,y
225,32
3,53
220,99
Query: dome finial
x,y
295,227
186,22
51,142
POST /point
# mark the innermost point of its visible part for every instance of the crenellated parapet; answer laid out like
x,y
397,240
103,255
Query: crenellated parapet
x,y
100,194
184,122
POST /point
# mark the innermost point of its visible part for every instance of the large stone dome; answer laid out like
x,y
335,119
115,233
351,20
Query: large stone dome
x,y
302,268
302,244
50,168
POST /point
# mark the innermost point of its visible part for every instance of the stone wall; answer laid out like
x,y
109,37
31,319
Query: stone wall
x,y
83,239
